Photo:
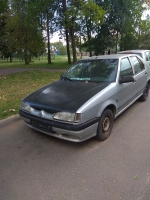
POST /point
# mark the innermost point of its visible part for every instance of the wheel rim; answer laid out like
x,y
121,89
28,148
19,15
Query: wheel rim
x,y
106,124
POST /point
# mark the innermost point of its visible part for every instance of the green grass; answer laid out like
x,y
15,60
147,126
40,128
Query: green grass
x,y
14,87
60,62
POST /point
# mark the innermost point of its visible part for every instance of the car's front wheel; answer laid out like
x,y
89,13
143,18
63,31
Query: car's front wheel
x,y
144,97
105,125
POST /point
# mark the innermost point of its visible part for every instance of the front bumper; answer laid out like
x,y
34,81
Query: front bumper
x,y
70,132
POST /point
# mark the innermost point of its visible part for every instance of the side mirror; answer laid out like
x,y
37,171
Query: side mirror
x,y
126,79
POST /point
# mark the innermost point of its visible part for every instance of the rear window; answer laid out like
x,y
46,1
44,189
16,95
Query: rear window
x,y
137,64
147,55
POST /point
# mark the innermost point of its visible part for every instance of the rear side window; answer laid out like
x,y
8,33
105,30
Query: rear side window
x,y
137,64
126,69
147,55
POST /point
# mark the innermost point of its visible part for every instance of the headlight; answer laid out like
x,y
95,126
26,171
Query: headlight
x,y
25,106
68,117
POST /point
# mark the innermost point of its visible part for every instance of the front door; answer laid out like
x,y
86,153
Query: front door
x,y
126,91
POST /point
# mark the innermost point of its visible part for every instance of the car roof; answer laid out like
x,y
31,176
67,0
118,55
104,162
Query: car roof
x,y
134,51
111,56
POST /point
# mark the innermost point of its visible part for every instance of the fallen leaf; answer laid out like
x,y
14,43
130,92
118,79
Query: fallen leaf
x,y
12,110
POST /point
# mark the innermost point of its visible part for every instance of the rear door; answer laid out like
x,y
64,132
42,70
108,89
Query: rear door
x,y
140,74
147,57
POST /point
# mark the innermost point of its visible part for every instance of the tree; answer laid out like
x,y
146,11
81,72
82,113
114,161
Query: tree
x,y
63,23
92,16
22,31
76,13
46,12
71,16
60,47
132,19
144,34
3,16
121,21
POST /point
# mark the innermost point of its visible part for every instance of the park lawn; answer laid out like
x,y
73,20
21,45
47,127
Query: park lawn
x,y
60,62
14,87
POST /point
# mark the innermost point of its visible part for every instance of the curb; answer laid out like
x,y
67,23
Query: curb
x,y
9,120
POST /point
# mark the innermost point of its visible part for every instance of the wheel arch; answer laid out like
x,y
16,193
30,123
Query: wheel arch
x,y
148,83
112,108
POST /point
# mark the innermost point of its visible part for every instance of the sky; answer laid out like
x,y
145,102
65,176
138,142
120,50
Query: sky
x,y
55,38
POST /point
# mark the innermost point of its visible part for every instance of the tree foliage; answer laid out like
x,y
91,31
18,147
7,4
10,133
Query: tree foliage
x,y
121,21
22,32
3,17
95,25
46,12
59,47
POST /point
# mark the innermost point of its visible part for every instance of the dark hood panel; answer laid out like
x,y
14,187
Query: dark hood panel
x,y
64,95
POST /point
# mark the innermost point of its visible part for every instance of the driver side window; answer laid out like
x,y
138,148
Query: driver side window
x,y
125,68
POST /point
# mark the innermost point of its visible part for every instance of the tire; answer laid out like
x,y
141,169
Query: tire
x,y
144,97
105,125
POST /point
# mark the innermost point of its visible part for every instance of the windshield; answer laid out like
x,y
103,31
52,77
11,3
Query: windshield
x,y
103,70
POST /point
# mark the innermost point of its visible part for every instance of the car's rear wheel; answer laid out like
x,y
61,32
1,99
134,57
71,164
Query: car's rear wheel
x,y
105,125
144,97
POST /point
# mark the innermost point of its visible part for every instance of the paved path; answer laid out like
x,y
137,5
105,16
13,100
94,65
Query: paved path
x,y
7,71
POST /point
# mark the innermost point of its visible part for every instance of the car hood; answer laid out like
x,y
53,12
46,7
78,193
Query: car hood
x,y
64,95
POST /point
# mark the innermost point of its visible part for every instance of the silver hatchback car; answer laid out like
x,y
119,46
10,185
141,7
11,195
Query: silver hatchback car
x,y
87,98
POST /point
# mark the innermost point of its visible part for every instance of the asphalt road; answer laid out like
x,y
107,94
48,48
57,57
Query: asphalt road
x,y
34,166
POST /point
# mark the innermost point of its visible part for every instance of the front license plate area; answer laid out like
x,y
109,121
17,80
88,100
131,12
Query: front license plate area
x,y
41,125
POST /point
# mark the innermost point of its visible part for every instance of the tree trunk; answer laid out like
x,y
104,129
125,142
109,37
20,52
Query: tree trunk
x,y
48,38
73,44
116,45
89,37
10,57
66,32
89,41
67,45
26,59
80,46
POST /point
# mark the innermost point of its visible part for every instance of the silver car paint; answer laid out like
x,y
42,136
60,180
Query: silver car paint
x,y
98,100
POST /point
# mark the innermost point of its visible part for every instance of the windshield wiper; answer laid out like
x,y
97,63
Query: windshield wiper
x,y
66,78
